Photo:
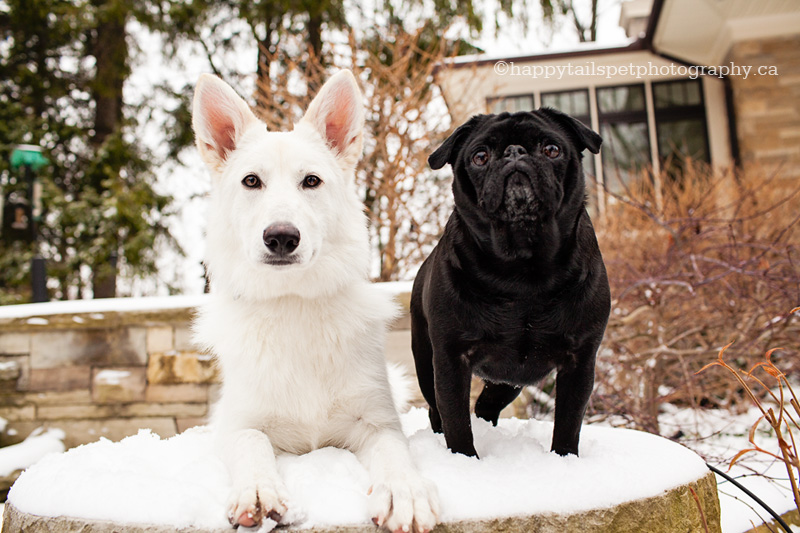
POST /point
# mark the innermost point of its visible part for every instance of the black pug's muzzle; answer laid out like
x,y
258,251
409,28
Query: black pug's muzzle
x,y
519,192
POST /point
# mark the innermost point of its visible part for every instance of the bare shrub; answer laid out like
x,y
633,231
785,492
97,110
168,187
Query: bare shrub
x,y
694,265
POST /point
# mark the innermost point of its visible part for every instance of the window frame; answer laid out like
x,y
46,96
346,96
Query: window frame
x,y
490,100
623,117
679,113
587,116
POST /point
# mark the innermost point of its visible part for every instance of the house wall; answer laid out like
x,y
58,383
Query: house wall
x,y
467,87
768,107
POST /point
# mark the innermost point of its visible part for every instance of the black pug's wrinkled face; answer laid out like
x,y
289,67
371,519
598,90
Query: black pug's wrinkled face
x,y
518,165
516,169
519,172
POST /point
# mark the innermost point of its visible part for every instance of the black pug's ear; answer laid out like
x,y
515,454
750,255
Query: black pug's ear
x,y
447,152
585,137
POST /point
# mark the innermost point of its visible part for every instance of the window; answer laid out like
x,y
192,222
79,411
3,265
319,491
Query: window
x,y
680,124
575,103
677,94
623,126
512,104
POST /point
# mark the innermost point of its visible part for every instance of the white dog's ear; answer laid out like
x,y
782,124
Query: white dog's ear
x,y
219,118
337,113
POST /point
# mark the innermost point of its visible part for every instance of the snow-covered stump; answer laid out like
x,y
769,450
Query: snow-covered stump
x,y
667,513
624,481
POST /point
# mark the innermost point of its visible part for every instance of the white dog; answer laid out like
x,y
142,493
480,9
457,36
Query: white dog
x,y
296,327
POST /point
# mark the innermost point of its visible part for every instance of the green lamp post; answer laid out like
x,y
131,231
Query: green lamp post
x,y
30,158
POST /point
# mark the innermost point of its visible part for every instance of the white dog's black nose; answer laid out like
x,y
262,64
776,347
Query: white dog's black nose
x,y
514,151
281,238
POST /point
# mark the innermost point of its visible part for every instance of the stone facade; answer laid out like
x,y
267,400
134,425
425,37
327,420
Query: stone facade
x,y
103,375
768,106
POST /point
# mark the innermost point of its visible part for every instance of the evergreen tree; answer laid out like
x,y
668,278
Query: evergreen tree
x,y
61,85
62,80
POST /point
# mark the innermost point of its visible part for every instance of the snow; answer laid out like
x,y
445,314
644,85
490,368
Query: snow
x,y
39,444
180,482
34,313
396,287
515,475
739,512
96,308
111,377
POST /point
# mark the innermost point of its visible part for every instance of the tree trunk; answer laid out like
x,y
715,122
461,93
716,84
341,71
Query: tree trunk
x,y
111,69
266,53
110,50
314,29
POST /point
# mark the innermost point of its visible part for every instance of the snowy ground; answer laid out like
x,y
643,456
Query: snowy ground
x,y
177,478
718,436
180,482
39,444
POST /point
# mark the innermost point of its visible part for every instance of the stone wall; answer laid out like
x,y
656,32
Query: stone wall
x,y
768,107
96,371
102,374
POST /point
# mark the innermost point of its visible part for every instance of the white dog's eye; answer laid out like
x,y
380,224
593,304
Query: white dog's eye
x,y
311,181
251,181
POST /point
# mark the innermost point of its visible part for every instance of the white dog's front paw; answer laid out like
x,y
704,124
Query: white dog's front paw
x,y
250,505
408,503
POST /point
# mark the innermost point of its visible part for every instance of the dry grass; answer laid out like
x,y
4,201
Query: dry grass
x,y
694,266
780,393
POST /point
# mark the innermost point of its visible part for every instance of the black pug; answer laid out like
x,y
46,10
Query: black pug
x,y
516,286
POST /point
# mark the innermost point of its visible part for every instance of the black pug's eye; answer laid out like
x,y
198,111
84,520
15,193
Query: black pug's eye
x,y
552,151
480,158
311,182
251,181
